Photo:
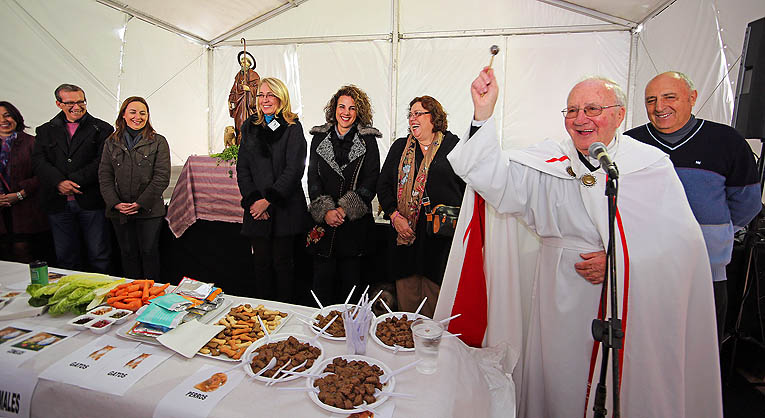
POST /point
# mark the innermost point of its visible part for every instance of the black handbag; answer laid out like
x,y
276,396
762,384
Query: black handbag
x,y
441,220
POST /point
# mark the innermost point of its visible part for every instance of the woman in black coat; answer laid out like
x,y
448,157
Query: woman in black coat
x,y
416,167
343,169
269,168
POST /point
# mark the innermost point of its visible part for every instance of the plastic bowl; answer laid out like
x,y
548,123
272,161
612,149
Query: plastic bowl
x,y
82,323
100,325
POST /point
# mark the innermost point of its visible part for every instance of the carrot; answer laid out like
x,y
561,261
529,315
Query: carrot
x,y
133,288
136,294
132,299
145,292
157,289
115,299
133,306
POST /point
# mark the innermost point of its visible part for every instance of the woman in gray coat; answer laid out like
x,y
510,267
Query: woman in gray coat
x,y
134,171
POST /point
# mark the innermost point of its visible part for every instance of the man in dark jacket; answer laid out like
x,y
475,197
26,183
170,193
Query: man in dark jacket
x,y
66,157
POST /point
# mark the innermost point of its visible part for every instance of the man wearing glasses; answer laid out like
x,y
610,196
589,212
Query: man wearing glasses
x,y
715,164
66,157
670,364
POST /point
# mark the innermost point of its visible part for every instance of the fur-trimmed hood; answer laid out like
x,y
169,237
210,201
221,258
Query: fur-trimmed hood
x,y
363,130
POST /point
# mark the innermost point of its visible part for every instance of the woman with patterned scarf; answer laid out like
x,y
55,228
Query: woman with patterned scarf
x,y
343,168
415,168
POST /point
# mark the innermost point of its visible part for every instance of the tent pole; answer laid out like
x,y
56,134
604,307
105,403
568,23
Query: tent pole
x,y
210,101
256,21
540,30
632,76
309,40
394,67
153,20
628,24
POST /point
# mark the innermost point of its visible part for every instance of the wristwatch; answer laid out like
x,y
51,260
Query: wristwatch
x,y
20,196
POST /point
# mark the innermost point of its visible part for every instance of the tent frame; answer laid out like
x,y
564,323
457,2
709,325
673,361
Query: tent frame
x,y
610,24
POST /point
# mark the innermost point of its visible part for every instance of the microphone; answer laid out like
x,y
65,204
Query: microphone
x,y
598,151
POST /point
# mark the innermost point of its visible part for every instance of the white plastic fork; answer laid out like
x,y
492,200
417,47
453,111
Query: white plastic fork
x,y
284,373
268,367
265,330
384,379
302,389
386,306
273,378
322,331
419,308
445,320
317,300
379,392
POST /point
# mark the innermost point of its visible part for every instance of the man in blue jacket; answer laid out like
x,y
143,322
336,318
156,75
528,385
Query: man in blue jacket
x,y
715,165
66,157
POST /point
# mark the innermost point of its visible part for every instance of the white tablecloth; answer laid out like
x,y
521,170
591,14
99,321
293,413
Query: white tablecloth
x,y
468,383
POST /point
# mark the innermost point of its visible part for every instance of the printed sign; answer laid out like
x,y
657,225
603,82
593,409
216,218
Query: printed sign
x,y
118,373
16,389
200,393
31,343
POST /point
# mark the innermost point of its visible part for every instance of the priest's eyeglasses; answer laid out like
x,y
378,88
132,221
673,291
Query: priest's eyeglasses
x,y
589,110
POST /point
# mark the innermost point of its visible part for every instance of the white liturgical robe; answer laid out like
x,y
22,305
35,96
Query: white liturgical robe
x,y
670,358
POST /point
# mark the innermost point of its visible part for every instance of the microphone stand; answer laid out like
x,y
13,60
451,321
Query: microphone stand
x,y
609,332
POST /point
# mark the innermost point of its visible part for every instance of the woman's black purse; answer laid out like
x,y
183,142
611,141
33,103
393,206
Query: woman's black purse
x,y
441,221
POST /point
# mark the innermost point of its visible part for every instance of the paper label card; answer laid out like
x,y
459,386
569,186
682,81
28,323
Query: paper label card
x,y
118,373
198,394
32,343
16,389
11,332
80,366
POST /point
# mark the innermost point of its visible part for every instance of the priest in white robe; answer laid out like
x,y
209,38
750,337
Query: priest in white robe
x,y
670,363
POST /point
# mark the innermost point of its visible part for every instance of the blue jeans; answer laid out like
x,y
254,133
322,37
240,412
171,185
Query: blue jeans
x,y
75,225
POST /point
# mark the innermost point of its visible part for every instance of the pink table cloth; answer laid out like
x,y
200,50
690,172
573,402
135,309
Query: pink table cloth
x,y
204,191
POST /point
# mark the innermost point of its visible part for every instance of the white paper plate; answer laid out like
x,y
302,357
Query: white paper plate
x,y
276,338
381,318
327,309
387,387
225,312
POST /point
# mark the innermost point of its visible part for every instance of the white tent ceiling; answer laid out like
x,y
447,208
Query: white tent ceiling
x,y
394,49
212,21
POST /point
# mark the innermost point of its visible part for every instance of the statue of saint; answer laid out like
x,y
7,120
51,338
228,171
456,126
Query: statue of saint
x,y
241,99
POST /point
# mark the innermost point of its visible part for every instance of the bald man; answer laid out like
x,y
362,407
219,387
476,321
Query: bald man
x,y
715,165
670,364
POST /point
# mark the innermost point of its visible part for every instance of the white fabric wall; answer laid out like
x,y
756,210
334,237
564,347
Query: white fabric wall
x,y
81,42
40,51
43,50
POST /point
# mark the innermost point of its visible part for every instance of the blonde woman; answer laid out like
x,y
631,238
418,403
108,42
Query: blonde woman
x,y
270,165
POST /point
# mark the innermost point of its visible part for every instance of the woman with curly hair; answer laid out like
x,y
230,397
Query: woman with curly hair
x,y
416,167
269,168
343,168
